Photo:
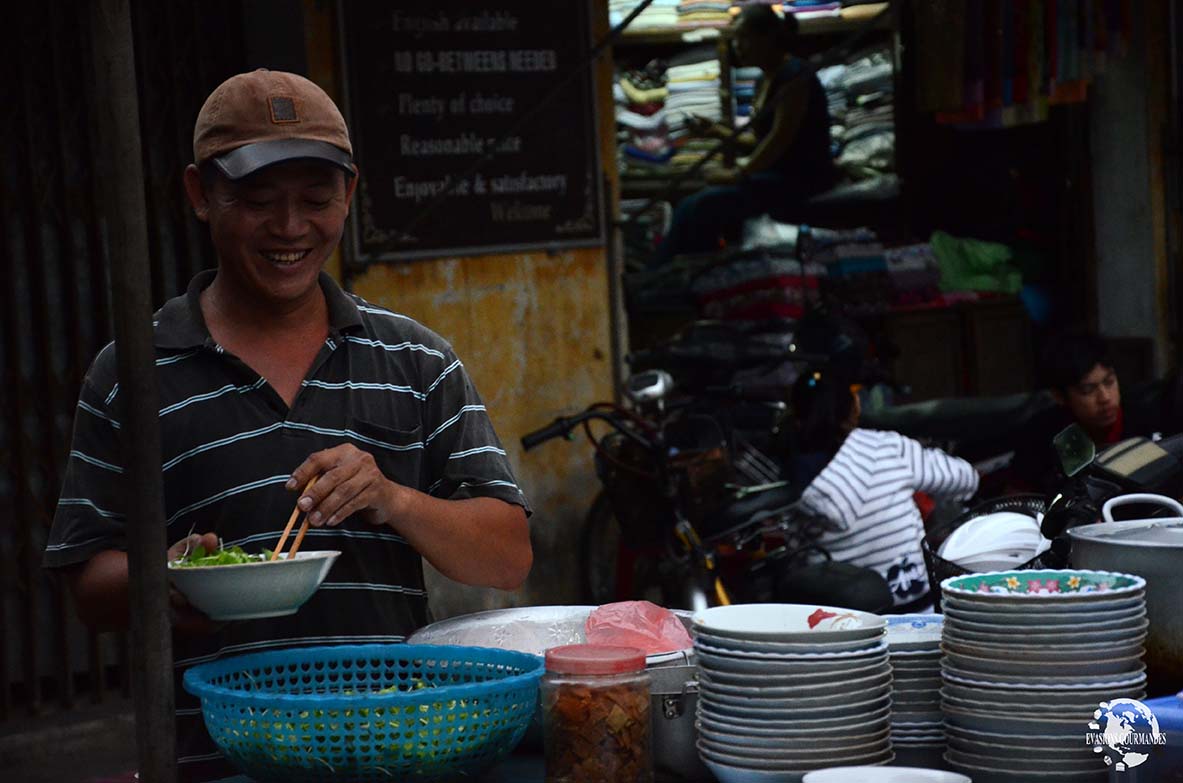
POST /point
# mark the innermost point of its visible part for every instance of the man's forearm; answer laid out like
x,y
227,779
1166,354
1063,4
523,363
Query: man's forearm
x,y
100,591
483,542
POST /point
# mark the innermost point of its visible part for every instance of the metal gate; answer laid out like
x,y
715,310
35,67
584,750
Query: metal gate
x,y
54,304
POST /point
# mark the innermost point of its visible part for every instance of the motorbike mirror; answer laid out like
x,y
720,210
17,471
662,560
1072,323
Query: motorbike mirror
x,y
649,386
1075,449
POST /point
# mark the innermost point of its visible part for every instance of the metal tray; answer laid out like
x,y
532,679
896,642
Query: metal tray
x,y
531,629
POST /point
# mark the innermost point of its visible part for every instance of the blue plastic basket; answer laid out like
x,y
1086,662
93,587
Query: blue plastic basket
x,y
318,713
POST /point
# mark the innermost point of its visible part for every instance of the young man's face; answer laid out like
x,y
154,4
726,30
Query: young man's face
x,y
1095,401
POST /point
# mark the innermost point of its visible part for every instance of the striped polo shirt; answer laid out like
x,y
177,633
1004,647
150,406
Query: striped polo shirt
x,y
866,494
381,381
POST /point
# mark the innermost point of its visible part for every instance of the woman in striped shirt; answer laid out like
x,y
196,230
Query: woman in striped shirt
x,y
863,482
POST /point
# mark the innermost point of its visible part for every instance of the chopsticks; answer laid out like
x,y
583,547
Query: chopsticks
x,y
291,521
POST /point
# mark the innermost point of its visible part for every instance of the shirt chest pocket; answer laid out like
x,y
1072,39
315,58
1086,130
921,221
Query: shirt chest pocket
x,y
398,452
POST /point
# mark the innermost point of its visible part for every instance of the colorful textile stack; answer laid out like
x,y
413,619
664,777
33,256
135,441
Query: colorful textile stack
x,y
812,9
1001,63
704,13
915,275
662,13
868,122
856,280
757,285
744,82
643,140
694,87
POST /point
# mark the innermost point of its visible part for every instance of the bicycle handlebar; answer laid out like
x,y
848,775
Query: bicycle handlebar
x,y
564,424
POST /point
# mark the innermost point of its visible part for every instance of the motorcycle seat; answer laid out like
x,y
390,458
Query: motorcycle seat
x,y
748,510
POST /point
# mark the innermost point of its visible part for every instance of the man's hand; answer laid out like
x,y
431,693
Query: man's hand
x,y
348,482
702,127
186,620
721,177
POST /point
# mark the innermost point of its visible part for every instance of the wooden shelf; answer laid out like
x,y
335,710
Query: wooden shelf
x,y
636,187
689,35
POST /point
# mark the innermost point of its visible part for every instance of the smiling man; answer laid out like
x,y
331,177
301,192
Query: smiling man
x,y
271,375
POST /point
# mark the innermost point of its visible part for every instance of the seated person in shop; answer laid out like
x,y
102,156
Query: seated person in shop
x,y
308,381
1080,376
863,482
788,142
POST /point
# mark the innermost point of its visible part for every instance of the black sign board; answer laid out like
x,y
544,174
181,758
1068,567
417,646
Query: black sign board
x,y
434,89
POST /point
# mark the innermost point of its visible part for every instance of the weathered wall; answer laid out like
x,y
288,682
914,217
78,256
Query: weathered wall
x,y
533,331
1125,127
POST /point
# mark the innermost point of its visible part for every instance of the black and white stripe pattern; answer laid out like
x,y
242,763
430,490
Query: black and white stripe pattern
x,y
866,493
381,381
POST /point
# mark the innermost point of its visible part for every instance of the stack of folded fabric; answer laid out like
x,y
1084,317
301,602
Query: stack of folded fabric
x,y
856,280
833,81
693,88
744,82
642,134
813,9
868,138
662,13
704,13
915,274
757,285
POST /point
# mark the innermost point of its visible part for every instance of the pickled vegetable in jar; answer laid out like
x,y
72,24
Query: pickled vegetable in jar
x,y
595,712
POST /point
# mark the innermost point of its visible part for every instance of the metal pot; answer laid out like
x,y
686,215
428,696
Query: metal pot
x,y
1153,550
674,701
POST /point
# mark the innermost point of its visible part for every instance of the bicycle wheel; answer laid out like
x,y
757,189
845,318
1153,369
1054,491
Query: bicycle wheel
x,y
612,571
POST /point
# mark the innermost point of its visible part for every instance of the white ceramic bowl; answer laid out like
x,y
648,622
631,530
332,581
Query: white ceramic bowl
x,y
798,730
788,623
880,648
953,604
798,724
819,645
914,632
1043,619
883,775
795,666
952,673
1117,638
1111,667
858,706
804,678
883,756
1043,652
253,590
771,691
1019,696
791,747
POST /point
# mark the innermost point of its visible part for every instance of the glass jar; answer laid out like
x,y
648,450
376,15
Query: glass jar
x,y
595,715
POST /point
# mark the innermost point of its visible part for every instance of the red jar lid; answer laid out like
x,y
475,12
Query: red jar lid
x,y
594,659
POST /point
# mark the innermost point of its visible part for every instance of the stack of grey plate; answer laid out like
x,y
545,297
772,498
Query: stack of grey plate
x,y
1029,657
917,724
785,689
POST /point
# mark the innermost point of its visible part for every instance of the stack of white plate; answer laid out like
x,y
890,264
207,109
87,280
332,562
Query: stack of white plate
x,y
1028,657
917,724
787,688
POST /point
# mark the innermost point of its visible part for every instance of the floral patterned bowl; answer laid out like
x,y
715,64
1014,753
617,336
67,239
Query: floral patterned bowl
x,y
1035,586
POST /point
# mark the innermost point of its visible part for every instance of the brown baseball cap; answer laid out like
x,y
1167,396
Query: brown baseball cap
x,y
257,119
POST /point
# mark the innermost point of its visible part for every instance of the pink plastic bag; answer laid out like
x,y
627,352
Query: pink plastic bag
x,y
637,624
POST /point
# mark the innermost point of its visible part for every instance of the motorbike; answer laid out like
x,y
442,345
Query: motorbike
x,y
1094,479
681,522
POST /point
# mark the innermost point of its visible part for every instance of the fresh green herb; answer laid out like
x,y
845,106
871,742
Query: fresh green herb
x,y
235,555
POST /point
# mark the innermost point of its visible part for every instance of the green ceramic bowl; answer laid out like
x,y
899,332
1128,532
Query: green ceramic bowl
x,y
1065,585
